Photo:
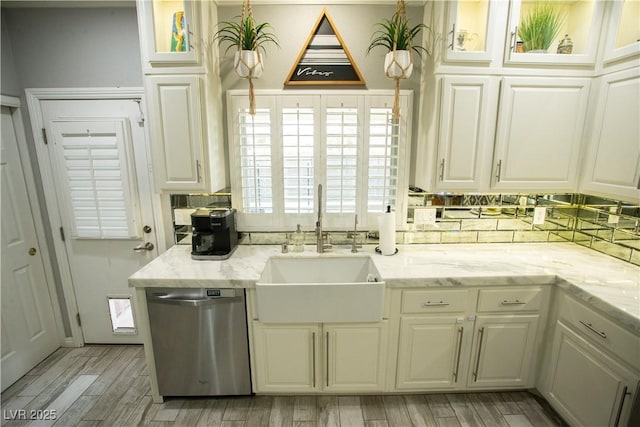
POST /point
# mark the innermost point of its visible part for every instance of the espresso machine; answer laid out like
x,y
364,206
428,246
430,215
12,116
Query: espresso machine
x,y
214,234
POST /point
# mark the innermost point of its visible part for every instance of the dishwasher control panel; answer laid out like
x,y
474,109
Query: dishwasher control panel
x,y
221,293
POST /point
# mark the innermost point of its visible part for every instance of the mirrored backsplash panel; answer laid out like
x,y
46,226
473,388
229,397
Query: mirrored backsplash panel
x,y
609,226
605,225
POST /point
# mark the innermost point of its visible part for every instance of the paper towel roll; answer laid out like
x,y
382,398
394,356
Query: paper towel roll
x,y
387,230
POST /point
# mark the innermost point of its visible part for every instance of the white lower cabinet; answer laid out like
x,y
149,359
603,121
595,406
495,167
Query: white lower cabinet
x,y
312,358
286,357
355,356
585,385
429,352
503,350
450,346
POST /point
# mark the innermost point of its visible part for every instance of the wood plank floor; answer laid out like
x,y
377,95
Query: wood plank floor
x,y
108,386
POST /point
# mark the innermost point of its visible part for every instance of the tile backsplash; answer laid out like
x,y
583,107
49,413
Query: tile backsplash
x,y
608,226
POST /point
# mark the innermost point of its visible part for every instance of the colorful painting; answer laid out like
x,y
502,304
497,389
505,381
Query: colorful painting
x,y
178,33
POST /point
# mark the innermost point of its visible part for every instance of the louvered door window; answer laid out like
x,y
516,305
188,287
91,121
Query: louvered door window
x,y
298,159
384,152
342,159
99,193
255,161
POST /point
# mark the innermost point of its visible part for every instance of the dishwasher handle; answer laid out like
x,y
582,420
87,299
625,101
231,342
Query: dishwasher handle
x,y
191,302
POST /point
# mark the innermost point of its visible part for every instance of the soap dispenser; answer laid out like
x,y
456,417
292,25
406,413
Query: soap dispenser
x,y
297,239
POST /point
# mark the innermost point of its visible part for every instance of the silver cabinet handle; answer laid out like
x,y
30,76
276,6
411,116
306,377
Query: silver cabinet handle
x,y
144,247
313,351
198,170
594,330
625,392
514,302
498,171
480,338
327,357
453,37
455,373
435,304
442,170
514,39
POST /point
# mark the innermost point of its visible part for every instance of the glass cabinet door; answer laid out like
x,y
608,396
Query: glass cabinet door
x,y
575,42
624,30
470,29
170,30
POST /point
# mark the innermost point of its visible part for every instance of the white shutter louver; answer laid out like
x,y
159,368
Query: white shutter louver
x,y
93,171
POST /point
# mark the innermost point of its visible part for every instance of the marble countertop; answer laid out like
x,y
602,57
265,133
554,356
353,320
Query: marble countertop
x,y
609,284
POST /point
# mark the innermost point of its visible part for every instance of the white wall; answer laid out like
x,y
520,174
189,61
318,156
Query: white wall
x,y
71,47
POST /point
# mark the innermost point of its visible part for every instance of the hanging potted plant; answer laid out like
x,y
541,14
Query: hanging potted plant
x,y
539,28
397,37
249,39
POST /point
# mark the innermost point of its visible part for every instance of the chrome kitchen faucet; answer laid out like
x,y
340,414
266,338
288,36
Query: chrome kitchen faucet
x,y
320,235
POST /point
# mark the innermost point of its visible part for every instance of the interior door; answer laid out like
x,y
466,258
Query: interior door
x,y
100,169
28,325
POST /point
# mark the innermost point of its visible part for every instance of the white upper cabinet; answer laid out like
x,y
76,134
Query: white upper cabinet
x,y
177,131
539,133
580,20
623,35
470,28
466,130
613,156
169,32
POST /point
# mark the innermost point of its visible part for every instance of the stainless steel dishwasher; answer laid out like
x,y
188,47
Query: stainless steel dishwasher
x,y
200,341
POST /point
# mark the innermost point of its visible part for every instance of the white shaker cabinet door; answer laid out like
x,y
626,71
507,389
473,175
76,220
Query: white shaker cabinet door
x,y
613,162
466,130
355,356
503,351
286,357
176,129
430,353
587,387
539,133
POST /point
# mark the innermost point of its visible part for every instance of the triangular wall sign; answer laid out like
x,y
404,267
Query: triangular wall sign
x,y
324,58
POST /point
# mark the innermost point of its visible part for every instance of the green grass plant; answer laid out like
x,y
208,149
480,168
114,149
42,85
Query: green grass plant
x,y
539,28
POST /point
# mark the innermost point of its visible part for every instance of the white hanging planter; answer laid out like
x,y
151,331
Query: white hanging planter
x,y
248,64
398,64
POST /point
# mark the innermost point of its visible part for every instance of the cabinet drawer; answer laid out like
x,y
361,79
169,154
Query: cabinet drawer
x,y
434,301
601,330
511,299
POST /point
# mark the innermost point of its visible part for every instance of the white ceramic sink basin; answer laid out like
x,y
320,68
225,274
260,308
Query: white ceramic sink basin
x,y
320,289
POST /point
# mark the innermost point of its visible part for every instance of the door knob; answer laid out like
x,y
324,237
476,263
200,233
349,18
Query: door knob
x,y
32,251
147,229
144,247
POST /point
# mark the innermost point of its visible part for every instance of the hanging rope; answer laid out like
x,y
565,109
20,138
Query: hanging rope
x,y
395,69
250,67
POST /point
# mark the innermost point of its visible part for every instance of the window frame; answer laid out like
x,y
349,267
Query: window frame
x,y
276,100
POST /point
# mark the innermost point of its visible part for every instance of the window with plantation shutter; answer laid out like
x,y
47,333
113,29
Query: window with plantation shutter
x,y
342,159
347,141
384,149
255,161
98,191
298,159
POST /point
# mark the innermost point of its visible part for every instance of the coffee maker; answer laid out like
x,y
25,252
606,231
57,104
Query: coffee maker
x,y
214,234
